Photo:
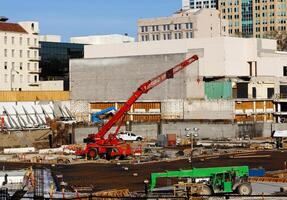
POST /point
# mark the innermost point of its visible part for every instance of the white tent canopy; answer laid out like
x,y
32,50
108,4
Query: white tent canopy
x,y
280,133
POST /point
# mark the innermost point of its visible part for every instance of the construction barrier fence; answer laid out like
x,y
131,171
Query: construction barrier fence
x,y
11,96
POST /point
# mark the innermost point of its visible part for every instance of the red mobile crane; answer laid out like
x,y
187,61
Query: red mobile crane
x,y
97,145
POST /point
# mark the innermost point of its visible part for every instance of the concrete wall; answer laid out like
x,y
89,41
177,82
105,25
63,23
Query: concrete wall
x,y
206,130
115,79
197,109
50,38
52,85
217,55
209,24
209,109
102,39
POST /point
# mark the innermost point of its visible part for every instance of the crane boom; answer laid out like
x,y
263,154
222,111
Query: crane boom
x,y
144,88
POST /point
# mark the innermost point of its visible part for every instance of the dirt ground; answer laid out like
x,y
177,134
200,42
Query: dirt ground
x,y
111,176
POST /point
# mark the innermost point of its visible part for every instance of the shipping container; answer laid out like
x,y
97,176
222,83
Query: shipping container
x,y
218,90
256,172
171,139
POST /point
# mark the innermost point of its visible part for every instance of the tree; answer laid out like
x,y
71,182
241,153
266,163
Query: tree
x,y
280,36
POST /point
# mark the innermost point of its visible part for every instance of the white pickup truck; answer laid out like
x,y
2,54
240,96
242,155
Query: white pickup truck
x,y
129,136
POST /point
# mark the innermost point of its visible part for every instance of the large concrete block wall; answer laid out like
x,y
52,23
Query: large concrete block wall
x,y
206,130
115,79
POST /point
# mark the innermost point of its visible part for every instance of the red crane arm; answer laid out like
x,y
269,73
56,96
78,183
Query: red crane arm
x,y
144,88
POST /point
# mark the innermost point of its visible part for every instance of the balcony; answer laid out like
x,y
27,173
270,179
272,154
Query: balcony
x,y
37,71
35,84
37,46
35,59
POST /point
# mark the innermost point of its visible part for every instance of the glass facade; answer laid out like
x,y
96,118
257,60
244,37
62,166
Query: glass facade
x,y
55,57
247,18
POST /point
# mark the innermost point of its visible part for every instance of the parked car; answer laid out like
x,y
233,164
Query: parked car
x,y
129,136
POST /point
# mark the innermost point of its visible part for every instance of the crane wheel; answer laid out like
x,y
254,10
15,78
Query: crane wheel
x,y
93,154
205,190
244,189
109,154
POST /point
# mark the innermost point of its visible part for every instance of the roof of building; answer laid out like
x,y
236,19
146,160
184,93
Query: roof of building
x,y
12,27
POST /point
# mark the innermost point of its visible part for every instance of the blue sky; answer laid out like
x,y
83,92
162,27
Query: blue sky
x,y
86,17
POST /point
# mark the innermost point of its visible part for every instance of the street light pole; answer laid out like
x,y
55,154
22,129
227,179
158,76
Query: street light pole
x,y
192,133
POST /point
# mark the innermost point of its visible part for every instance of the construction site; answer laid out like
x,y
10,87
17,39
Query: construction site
x,y
48,153
188,111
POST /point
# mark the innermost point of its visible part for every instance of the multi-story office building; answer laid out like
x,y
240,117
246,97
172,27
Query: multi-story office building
x,y
198,4
250,18
19,55
254,18
183,24
55,56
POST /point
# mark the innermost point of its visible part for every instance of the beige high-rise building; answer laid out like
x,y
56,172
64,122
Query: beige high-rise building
x,y
19,55
183,24
250,18
254,18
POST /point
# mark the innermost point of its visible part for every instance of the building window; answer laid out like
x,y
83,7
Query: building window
x,y
28,41
5,39
285,71
166,27
177,26
188,34
21,66
13,65
5,65
35,79
28,66
12,40
155,28
13,78
35,66
35,54
20,53
5,52
28,54
254,92
35,41
144,29
146,38
13,53
142,37
20,40
177,35
188,25
270,93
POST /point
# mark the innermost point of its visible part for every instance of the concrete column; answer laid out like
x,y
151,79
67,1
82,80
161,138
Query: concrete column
x,y
279,110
